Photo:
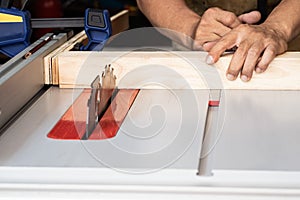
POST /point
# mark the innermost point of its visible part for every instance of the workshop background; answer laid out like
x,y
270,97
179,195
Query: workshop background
x,y
76,8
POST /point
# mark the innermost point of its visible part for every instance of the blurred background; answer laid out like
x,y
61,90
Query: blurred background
x,y
76,8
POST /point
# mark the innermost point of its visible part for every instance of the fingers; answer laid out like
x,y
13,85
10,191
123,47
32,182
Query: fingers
x,y
199,44
214,24
253,55
268,56
226,18
237,62
244,60
221,46
203,37
250,18
209,45
222,30
256,46
209,31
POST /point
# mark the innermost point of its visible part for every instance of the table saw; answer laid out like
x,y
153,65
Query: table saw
x,y
188,132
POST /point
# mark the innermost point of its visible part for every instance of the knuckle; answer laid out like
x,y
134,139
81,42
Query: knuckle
x,y
204,23
230,17
272,50
214,9
269,40
243,27
253,52
208,12
211,11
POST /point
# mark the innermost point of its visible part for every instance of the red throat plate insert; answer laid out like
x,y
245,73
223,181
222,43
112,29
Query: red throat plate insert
x,y
72,125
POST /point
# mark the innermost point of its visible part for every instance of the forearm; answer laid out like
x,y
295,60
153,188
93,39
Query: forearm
x,y
170,14
285,19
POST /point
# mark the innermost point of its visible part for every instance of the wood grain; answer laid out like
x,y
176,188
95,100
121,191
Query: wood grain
x,y
175,70
282,74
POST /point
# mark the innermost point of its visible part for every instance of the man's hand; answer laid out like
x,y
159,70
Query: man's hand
x,y
257,46
216,22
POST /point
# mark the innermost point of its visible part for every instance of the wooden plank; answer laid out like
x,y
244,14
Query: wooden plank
x,y
282,74
176,70
50,61
120,22
133,70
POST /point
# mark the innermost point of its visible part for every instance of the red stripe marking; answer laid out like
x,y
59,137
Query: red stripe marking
x,y
114,116
213,103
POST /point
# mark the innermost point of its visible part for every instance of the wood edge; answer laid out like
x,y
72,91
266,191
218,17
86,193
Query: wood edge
x,y
51,72
119,14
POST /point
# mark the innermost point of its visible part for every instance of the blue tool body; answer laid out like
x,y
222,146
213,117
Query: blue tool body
x,y
98,29
15,31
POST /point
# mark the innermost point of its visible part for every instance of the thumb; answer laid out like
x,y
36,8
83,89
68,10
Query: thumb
x,y
250,18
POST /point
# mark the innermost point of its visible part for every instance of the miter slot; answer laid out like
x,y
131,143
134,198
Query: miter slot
x,y
210,134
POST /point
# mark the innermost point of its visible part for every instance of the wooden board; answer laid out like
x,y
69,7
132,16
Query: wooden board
x,y
282,74
175,70
50,61
120,22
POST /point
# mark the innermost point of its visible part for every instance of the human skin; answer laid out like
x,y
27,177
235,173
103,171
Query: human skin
x,y
216,23
176,16
257,45
204,30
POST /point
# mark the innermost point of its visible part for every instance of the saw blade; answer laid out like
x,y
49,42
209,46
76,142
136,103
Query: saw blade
x,y
92,117
108,89
100,99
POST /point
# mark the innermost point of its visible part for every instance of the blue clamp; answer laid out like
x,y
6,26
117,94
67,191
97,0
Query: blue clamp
x,y
98,29
15,31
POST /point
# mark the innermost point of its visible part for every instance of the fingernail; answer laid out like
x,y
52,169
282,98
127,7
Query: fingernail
x,y
209,60
230,77
244,78
196,44
258,70
205,46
